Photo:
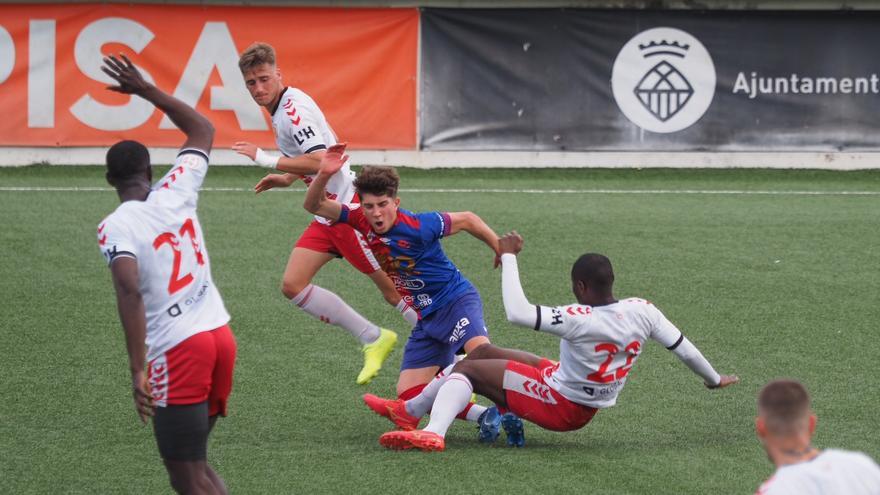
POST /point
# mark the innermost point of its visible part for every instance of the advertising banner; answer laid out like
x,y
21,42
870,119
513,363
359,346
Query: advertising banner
x,y
359,65
649,80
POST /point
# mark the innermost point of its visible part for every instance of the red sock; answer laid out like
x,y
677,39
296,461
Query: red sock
x,y
411,392
463,414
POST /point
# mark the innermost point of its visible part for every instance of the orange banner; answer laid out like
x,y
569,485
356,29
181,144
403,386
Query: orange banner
x,y
359,65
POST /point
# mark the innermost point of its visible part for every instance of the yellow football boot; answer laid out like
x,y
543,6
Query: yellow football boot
x,y
375,354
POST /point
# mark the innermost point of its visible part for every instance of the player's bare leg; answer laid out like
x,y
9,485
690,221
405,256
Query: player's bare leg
x,y
491,351
328,307
415,377
216,480
302,266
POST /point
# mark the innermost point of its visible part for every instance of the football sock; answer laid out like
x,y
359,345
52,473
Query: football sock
x,y
330,308
409,314
471,412
419,405
411,392
453,396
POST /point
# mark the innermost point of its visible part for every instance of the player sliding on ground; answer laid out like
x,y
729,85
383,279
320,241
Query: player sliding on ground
x,y
601,339
408,248
303,135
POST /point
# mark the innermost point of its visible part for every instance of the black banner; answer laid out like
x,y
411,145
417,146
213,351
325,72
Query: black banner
x,y
640,80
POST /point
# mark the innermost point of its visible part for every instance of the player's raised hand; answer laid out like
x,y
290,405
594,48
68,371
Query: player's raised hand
x,y
247,149
510,242
128,77
274,180
334,159
726,380
143,398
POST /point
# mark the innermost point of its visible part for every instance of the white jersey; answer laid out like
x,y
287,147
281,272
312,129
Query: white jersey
x,y
300,128
600,345
832,472
164,235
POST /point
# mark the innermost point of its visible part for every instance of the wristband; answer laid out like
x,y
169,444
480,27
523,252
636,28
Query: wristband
x,y
264,159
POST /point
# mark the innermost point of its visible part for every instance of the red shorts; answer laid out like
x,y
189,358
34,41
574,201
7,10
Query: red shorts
x,y
196,370
342,240
530,398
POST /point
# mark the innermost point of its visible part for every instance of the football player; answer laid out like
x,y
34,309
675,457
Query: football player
x,y
785,426
601,339
175,323
303,134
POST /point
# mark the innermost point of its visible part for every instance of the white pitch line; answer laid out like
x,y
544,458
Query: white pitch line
x,y
502,191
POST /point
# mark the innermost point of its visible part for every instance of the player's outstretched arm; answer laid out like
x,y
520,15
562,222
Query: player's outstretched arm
x,y
474,225
305,164
516,306
198,129
316,201
688,353
272,181
130,304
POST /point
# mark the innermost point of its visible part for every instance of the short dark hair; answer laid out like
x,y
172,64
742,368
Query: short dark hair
x,y
256,55
127,159
595,271
378,181
783,404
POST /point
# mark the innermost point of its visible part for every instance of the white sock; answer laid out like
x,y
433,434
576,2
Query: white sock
x,y
409,314
419,405
451,399
330,308
475,412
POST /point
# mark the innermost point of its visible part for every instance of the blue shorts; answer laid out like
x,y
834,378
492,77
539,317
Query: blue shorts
x,y
436,338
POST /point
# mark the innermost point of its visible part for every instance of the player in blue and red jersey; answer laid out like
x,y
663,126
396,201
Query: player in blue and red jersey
x,y
407,246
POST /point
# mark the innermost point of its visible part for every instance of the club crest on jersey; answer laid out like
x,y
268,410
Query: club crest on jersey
x,y
403,243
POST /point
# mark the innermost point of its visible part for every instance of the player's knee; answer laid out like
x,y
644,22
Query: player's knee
x,y
465,367
291,287
483,351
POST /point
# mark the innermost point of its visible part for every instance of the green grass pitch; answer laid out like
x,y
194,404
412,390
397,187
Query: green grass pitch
x,y
766,285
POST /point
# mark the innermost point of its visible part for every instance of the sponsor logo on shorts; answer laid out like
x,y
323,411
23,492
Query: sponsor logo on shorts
x,y
459,331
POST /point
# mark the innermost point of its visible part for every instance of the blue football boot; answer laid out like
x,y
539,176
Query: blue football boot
x,y
513,426
489,425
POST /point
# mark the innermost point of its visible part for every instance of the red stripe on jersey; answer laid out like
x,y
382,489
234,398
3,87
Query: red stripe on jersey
x,y
411,221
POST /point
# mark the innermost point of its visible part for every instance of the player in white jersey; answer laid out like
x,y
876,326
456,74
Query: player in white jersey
x,y
303,134
174,319
601,340
785,426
